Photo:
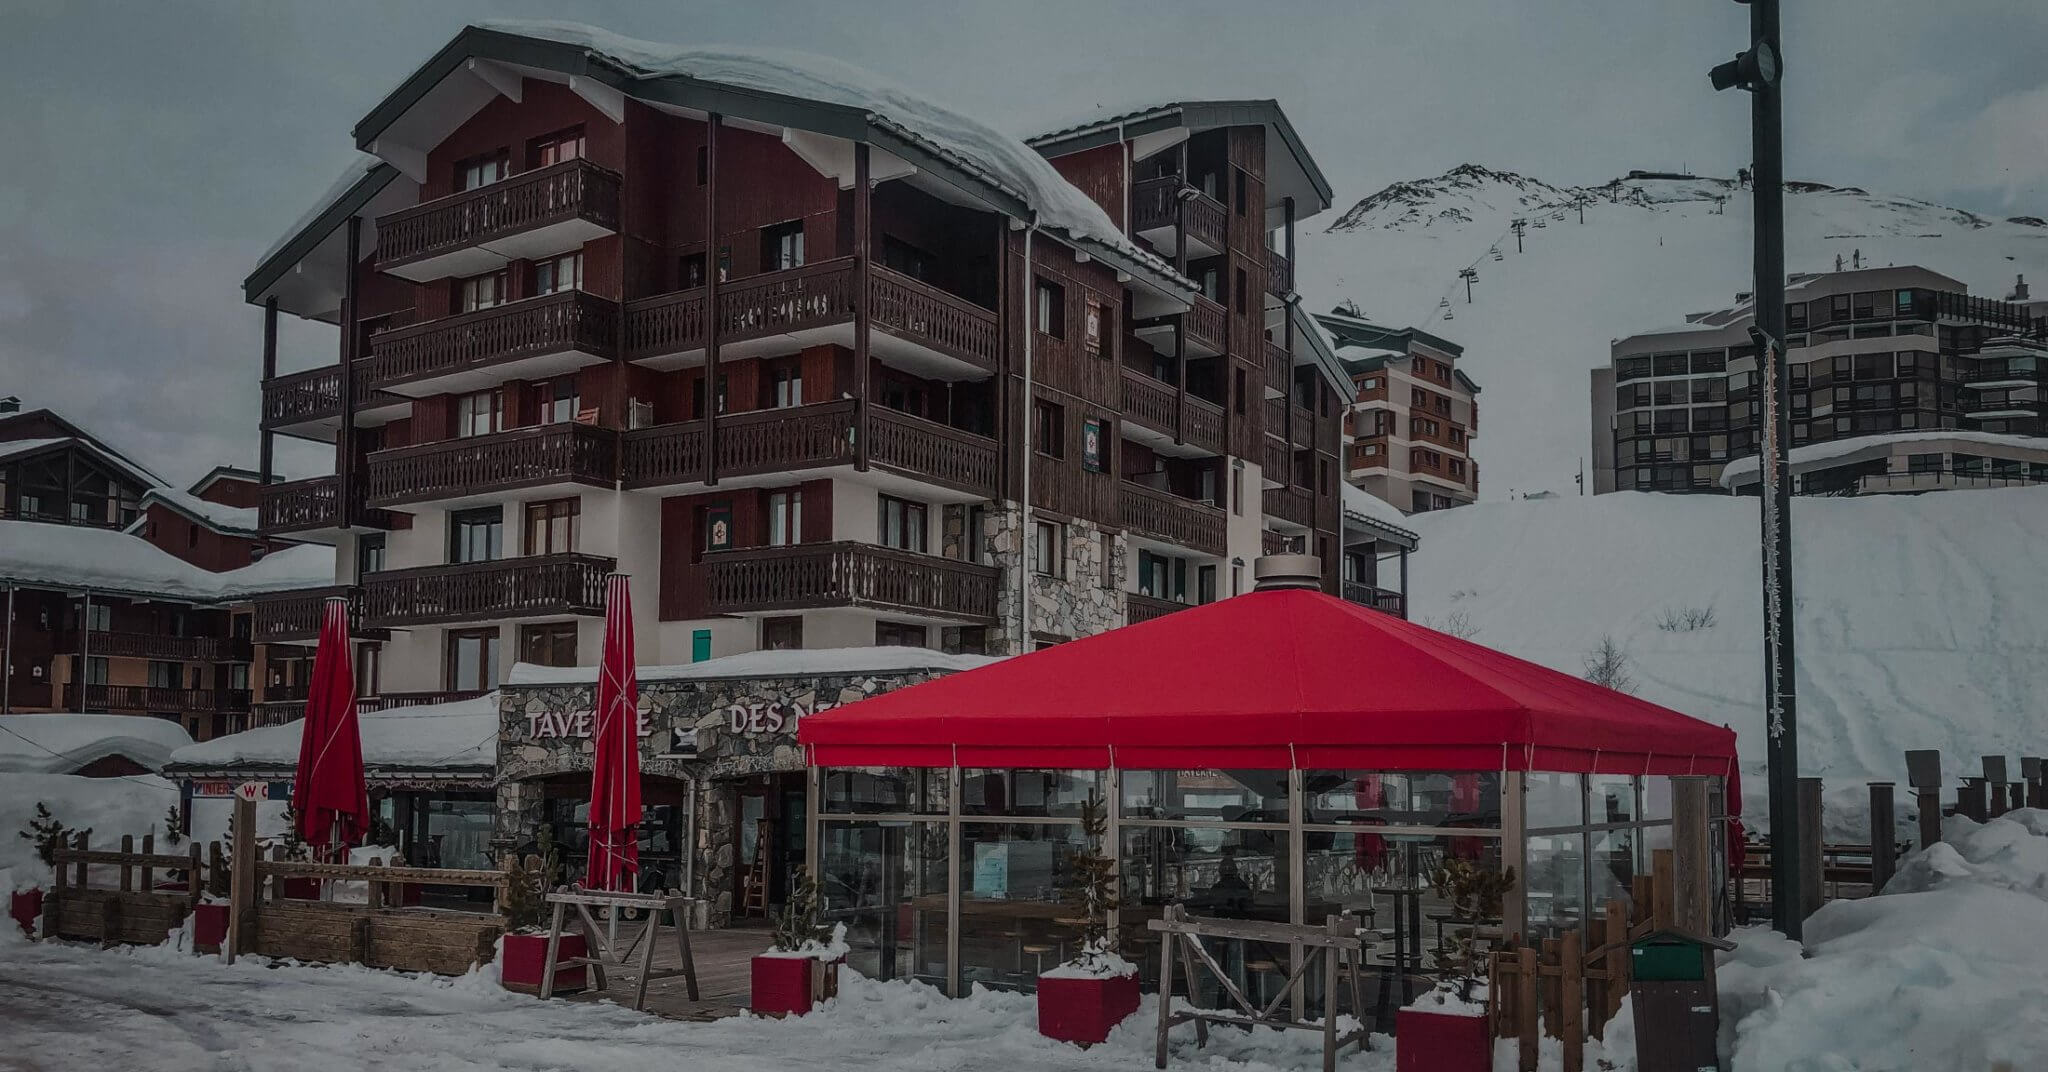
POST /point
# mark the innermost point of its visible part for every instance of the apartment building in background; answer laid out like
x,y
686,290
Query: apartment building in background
x,y
1900,353
793,356
1411,416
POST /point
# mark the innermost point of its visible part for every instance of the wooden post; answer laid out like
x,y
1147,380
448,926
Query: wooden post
x,y
1617,958
216,869
1663,888
1884,832
192,874
1928,802
127,870
79,879
1692,848
1166,940
1525,1001
1571,994
1998,801
1970,799
1336,928
1810,847
148,871
373,890
1550,986
242,880
712,124
863,302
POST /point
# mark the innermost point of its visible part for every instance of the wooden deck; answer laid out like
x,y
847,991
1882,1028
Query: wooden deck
x,y
724,974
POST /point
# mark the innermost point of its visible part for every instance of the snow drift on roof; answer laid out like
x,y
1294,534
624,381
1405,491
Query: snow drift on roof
x,y
1370,507
236,519
360,165
1815,453
997,157
77,556
461,735
62,743
805,663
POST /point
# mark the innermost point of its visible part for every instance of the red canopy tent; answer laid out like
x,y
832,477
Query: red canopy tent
x,y
1277,679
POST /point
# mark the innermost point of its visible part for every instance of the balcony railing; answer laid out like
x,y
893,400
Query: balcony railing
x,y
1366,595
1204,425
1279,368
126,645
480,591
1279,274
1297,505
288,617
810,437
815,296
280,706
2000,372
521,458
308,505
1143,608
1279,457
1163,515
847,574
1154,205
1209,325
570,321
933,451
1150,402
558,193
299,397
151,700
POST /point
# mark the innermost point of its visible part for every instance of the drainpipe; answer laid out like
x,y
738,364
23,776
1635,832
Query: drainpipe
x,y
1025,534
84,652
7,659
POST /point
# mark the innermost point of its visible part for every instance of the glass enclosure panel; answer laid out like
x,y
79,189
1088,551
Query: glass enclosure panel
x,y
1610,798
1228,874
1614,867
887,883
1403,798
1554,800
1555,887
459,833
877,790
1017,901
1058,793
1233,796
1657,797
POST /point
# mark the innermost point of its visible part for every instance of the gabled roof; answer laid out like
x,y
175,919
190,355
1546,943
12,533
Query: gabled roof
x,y
1364,510
225,472
70,432
227,520
1200,115
360,183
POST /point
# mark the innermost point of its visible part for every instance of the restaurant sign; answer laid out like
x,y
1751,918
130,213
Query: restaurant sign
x,y
546,725
764,716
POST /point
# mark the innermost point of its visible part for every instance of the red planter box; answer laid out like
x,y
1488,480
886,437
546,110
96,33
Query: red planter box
x,y
1427,1041
209,927
1084,1010
304,889
790,986
25,906
526,958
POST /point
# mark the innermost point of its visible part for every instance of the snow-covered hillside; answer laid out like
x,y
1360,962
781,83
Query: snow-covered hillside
x,y
1922,622
1650,251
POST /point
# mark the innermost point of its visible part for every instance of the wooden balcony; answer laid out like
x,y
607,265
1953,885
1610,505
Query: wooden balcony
x,y
1275,543
280,706
811,437
1143,608
184,649
1279,274
1279,370
1167,517
311,509
1155,212
529,587
541,456
1152,403
308,404
917,326
1293,505
295,616
847,574
527,339
535,214
1279,457
1303,429
1366,595
149,699
1208,328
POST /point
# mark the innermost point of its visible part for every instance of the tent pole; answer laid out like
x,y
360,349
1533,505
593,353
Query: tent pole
x,y
1514,852
7,659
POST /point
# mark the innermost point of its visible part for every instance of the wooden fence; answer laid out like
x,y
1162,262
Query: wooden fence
x,y
138,909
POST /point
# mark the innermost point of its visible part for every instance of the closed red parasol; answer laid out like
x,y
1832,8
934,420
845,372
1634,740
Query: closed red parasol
x,y
329,800
615,768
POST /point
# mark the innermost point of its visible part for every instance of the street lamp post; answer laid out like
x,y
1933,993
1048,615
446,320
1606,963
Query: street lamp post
x,y
1759,71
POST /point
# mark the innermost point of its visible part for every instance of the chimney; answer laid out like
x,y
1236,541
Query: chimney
x,y
10,404
2019,293
1272,572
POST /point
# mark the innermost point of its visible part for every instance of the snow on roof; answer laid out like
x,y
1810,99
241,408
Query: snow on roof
x,y
1814,454
807,662
78,556
362,164
1366,506
459,735
993,155
19,447
240,520
62,743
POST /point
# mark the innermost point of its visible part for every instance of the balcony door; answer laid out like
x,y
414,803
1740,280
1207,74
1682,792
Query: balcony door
x,y
552,526
476,535
472,660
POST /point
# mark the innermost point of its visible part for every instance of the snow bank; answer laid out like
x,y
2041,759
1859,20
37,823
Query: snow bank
x,y
1919,624
109,807
1815,453
1942,972
81,557
62,743
807,662
462,733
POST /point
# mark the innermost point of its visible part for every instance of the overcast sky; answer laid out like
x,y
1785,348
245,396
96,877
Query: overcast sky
x,y
153,150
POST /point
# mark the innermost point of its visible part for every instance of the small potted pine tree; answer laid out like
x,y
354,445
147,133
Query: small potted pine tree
x,y
525,957
48,834
1083,998
1446,1029
802,967
300,888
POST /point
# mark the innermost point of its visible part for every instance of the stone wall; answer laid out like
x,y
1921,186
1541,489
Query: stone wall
x,y
1082,603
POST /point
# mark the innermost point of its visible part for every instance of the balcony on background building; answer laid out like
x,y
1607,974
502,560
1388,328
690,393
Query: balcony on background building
x,y
532,586
1144,608
1380,599
150,699
847,574
802,438
1294,505
1279,370
290,704
535,214
295,616
1279,274
310,510
916,327
532,338
1206,322
549,457
1278,461
184,649
1155,211
1155,405
1164,516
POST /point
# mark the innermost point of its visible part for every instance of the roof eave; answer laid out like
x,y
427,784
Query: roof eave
x,y
301,245
1202,114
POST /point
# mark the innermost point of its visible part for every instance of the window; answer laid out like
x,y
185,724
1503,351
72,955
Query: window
x,y
486,291
548,644
556,401
553,149
476,535
1162,576
1237,488
782,246
472,660
901,256
787,388
482,170
901,523
690,269
551,526
1205,585
480,413
369,553
1049,428
95,669
975,538
164,675
1052,309
782,634
900,635
785,518
369,663
557,274
1048,544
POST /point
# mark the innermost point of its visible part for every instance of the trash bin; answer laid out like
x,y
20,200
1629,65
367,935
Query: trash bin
x,y
1677,1013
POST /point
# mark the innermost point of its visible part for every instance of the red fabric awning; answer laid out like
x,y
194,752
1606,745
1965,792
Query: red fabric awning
x,y
1273,680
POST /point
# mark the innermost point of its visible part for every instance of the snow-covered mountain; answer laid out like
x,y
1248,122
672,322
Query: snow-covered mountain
x,y
1652,248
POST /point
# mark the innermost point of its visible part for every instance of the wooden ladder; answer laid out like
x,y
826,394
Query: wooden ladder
x,y
754,892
